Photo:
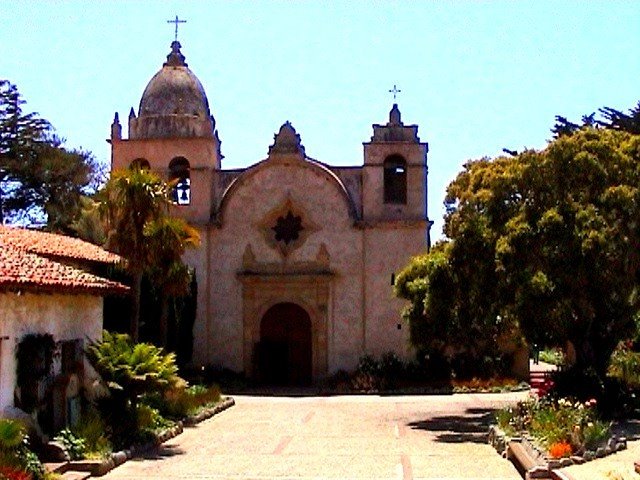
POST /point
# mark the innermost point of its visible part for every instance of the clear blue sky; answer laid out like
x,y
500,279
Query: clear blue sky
x,y
475,76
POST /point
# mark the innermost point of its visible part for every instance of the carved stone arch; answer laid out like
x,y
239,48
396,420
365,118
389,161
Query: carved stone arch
x,y
237,183
272,300
261,291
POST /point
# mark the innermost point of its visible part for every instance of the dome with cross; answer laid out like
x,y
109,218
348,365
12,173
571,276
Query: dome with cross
x,y
174,103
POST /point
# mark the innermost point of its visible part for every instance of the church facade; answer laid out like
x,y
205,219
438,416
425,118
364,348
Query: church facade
x,y
297,257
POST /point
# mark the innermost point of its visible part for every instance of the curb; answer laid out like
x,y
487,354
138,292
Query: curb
x,y
101,467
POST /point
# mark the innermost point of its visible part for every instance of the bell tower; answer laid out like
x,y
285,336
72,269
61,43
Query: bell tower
x,y
395,173
173,134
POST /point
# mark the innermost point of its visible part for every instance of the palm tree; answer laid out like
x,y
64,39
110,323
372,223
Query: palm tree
x,y
168,238
131,200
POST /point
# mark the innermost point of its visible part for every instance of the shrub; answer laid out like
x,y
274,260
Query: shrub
x,y
179,403
625,366
30,462
368,365
92,430
12,436
149,418
76,447
391,369
554,356
131,369
595,434
12,473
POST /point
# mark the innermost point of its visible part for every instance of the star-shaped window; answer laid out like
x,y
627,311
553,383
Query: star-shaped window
x,y
288,228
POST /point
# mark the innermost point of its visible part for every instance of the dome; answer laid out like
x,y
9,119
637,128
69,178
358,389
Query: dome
x,y
174,103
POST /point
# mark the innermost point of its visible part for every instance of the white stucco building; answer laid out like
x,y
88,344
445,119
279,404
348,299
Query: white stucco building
x,y
46,288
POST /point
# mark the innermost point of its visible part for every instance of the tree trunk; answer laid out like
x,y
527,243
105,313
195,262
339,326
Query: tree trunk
x,y
164,321
134,321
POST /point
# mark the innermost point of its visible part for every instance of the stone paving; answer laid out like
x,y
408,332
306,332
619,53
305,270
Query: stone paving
x,y
342,437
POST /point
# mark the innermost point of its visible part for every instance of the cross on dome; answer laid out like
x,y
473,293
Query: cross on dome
x,y
176,22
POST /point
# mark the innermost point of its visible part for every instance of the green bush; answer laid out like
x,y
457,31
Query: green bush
x,y
368,365
131,369
149,418
554,356
76,446
12,435
625,366
375,375
92,430
179,403
15,454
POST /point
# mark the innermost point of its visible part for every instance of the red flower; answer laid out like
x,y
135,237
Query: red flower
x,y
560,450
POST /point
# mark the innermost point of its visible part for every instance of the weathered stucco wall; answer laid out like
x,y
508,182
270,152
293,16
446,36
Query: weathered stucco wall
x,y
66,317
361,315
388,249
326,214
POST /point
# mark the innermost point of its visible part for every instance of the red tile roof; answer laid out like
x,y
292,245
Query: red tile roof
x,y
54,245
22,268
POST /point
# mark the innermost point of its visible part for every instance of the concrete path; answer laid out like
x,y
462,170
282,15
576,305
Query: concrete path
x,y
344,437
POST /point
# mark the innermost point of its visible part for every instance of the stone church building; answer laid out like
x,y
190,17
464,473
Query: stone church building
x,y
297,260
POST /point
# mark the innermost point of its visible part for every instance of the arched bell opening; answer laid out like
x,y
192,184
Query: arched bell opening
x,y
179,171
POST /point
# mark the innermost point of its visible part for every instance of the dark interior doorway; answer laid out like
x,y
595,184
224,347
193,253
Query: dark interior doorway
x,y
284,351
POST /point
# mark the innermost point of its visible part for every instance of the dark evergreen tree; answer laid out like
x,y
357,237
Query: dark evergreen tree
x,y
40,179
610,118
617,120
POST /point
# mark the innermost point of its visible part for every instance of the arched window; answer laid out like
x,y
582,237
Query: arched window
x,y
140,164
395,179
179,169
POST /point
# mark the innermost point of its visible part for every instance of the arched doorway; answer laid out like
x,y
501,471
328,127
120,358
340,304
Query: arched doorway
x,y
284,351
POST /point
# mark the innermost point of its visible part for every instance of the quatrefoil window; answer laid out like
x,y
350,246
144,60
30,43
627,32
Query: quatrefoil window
x,y
288,228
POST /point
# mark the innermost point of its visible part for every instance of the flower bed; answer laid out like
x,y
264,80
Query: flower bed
x,y
553,433
99,467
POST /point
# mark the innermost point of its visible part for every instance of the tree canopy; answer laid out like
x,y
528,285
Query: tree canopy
x,y
134,206
544,242
39,178
609,118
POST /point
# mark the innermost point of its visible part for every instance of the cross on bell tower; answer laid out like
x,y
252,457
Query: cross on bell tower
x,y
395,90
176,22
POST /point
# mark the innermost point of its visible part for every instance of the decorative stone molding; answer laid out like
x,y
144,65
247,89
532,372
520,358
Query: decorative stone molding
x,y
307,284
287,227
287,141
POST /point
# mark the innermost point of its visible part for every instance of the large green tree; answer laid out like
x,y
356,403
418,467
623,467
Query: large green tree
x,y
168,239
547,241
134,206
131,200
39,178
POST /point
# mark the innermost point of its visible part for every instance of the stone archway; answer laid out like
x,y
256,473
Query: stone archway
x,y
284,353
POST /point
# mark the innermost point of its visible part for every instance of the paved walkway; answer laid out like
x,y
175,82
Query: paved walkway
x,y
344,437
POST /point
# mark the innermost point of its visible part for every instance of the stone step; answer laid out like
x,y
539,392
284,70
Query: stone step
x,y
56,467
75,475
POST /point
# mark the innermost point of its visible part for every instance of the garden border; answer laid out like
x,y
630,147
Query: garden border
x,y
97,468
533,463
